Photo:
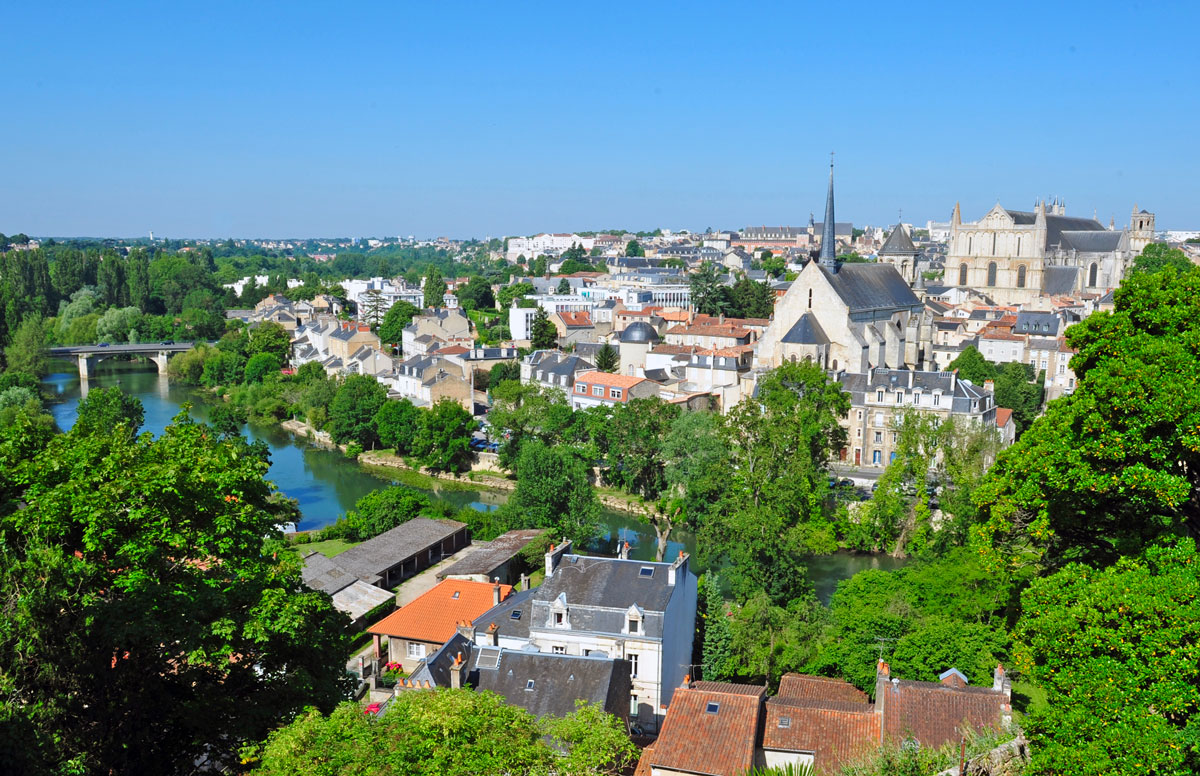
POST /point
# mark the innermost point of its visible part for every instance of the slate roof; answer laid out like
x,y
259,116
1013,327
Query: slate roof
x,y
806,331
487,558
1044,323
558,681
608,582
1060,280
322,573
866,287
433,616
369,560
1091,242
695,740
508,626
898,243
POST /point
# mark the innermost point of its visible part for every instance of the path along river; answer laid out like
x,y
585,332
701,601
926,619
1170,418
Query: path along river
x,y
326,484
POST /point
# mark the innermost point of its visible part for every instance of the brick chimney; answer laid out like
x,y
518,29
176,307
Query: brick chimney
x,y
495,591
1001,682
678,567
458,672
493,631
466,630
989,386
623,552
883,673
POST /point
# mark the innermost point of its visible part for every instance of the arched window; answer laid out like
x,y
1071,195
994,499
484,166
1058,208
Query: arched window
x,y
1021,276
991,278
835,365
962,274
1092,275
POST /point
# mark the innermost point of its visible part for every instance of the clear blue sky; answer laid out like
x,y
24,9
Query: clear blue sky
x,y
264,119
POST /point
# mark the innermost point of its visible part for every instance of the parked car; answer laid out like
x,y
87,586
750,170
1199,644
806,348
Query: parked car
x,y
105,344
167,342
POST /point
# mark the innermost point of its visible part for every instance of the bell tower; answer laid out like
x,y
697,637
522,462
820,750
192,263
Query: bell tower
x,y
1141,229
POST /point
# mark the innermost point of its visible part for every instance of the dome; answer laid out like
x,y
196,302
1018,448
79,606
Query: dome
x,y
639,332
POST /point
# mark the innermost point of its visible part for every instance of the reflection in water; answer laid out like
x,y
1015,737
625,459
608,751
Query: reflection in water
x,y
325,484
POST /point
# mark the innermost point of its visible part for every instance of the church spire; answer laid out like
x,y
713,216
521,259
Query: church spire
x,y
828,232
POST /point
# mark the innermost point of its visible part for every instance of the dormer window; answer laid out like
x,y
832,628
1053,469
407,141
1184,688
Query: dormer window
x,y
635,625
559,618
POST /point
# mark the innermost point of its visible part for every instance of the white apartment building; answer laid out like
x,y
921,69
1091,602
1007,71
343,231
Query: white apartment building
x,y
532,247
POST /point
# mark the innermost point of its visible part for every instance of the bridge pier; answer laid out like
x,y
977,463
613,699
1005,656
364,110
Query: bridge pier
x,y
85,366
161,360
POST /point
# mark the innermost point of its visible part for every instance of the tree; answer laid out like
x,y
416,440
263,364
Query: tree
x,y
780,442
443,439
696,466
143,559
542,334
435,733
564,287
553,492
381,510
506,295
371,307
717,651
540,267
594,741
268,337
1156,257
635,462
634,248
106,411
607,358
434,288
751,299
478,292
773,265
523,411
228,418
397,422
505,370
706,290
352,412
260,365
1116,651
1113,466
397,318
28,352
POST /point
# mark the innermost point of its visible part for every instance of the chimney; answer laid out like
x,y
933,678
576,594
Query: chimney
x,y
623,552
466,630
1001,682
495,591
458,672
687,680
554,556
524,581
882,675
679,566
953,381
989,386
493,631
911,374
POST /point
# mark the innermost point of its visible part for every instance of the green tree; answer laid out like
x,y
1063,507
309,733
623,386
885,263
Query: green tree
x,y
1116,651
143,559
1156,257
635,461
564,287
106,410
228,418
540,267
28,352
751,299
553,492
397,423
506,295
443,439
706,290
717,661
1113,466
379,511
522,411
505,370
271,338
593,741
781,441
477,292
697,465
542,333
352,411
634,248
772,264
434,287
371,308
607,358
260,365
397,318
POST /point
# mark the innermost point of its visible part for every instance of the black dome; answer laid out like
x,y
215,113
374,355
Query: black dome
x,y
639,332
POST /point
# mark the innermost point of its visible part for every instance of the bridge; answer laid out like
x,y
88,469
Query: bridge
x,y
90,355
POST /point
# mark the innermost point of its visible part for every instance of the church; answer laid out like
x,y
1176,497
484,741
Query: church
x,y
1016,256
848,317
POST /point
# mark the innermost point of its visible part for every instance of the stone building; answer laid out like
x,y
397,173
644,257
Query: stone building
x,y
1016,256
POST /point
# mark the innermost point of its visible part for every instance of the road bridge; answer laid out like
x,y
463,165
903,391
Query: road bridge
x,y
88,356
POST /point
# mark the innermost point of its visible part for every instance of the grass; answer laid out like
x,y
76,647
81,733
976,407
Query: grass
x,y
328,548
411,477
1027,697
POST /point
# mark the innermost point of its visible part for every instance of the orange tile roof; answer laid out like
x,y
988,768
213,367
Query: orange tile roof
x,y
576,317
609,380
1003,416
713,330
695,740
452,350
433,616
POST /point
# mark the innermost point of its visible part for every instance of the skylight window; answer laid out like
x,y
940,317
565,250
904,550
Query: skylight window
x,y
646,571
712,708
516,614
529,685
455,596
785,722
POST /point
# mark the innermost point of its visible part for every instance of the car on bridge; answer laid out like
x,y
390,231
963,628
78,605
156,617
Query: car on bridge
x,y
167,342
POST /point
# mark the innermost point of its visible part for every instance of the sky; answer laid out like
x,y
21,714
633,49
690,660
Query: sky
x,y
259,119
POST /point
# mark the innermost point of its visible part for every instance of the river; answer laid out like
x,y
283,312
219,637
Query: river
x,y
326,484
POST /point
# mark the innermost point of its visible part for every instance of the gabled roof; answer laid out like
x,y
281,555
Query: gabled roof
x,y
822,688
545,684
835,732
708,731
806,331
1104,241
609,380
433,616
369,560
1003,416
1060,280
898,243
935,714
865,287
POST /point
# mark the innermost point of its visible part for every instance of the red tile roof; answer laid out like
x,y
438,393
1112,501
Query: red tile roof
x,y
819,688
934,714
452,350
580,318
1003,416
834,731
609,380
694,740
433,616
